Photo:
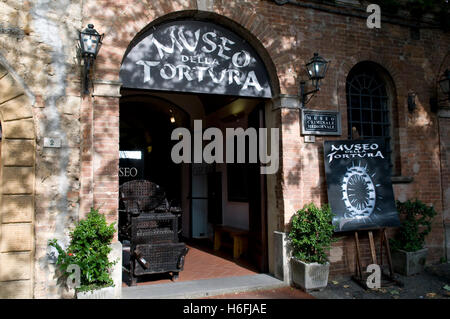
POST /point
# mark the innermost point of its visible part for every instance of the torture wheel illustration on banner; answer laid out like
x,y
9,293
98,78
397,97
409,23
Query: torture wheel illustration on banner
x,y
358,192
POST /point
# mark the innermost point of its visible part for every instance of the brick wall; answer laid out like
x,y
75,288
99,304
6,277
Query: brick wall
x,y
106,161
444,128
286,37
38,44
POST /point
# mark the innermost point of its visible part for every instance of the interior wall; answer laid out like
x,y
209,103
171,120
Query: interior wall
x,y
235,214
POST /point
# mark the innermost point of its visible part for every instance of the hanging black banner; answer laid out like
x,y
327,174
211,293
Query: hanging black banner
x,y
195,56
359,185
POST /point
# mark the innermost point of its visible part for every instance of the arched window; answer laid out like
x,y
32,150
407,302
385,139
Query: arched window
x,y
369,104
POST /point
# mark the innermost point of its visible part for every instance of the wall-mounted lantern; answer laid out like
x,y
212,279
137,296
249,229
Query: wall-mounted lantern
x,y
90,42
316,69
444,84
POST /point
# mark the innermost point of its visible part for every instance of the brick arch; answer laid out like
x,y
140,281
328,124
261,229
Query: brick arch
x,y
127,26
17,190
230,24
348,63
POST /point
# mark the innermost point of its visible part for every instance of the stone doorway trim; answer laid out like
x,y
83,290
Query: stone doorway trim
x,y
17,190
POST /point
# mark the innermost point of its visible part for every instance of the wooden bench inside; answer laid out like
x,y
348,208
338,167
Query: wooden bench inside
x,y
239,236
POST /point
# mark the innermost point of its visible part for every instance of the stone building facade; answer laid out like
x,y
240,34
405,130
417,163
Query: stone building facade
x,y
45,190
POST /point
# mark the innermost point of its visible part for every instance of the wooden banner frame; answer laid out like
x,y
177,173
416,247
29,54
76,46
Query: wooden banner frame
x,y
360,277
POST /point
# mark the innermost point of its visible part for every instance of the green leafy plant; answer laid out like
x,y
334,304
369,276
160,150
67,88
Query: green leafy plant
x,y
416,220
89,248
311,233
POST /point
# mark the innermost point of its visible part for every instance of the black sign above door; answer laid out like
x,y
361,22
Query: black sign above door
x,y
195,56
359,184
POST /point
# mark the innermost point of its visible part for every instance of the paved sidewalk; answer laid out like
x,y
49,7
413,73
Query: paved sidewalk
x,y
279,293
433,283
202,288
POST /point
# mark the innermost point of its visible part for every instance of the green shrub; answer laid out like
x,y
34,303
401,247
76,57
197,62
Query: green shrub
x,y
311,233
89,248
415,225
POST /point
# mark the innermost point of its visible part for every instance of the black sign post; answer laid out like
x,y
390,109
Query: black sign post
x,y
195,56
359,185
316,122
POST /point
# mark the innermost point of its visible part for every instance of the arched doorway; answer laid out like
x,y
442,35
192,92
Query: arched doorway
x,y
212,76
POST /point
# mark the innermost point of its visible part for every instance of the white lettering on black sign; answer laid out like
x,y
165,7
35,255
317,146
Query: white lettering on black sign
x,y
354,151
128,171
321,122
195,56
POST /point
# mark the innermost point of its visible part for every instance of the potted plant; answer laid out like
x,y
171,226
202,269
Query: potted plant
x,y
89,249
408,251
310,238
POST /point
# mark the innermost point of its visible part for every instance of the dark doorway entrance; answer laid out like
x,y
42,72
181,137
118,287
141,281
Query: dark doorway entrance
x,y
210,195
214,75
145,143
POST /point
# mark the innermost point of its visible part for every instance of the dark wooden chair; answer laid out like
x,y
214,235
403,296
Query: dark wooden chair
x,y
142,196
136,197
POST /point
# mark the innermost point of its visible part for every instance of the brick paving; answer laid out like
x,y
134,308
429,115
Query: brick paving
x,y
199,264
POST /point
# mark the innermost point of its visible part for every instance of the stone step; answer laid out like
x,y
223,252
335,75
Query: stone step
x,y
202,288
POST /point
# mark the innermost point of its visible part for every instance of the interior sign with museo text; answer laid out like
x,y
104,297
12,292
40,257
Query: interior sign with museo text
x,y
359,184
316,122
131,166
195,56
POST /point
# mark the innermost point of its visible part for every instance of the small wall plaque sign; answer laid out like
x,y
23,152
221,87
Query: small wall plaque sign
x,y
315,122
52,142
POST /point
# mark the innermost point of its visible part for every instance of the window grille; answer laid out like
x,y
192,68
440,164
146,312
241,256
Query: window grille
x,y
367,108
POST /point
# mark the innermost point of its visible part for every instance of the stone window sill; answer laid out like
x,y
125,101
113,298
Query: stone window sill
x,y
401,179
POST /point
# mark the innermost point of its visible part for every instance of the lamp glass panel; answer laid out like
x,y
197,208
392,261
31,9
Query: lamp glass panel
x,y
90,43
311,71
320,68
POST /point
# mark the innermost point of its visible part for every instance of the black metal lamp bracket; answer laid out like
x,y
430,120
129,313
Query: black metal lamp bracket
x,y
304,94
87,67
